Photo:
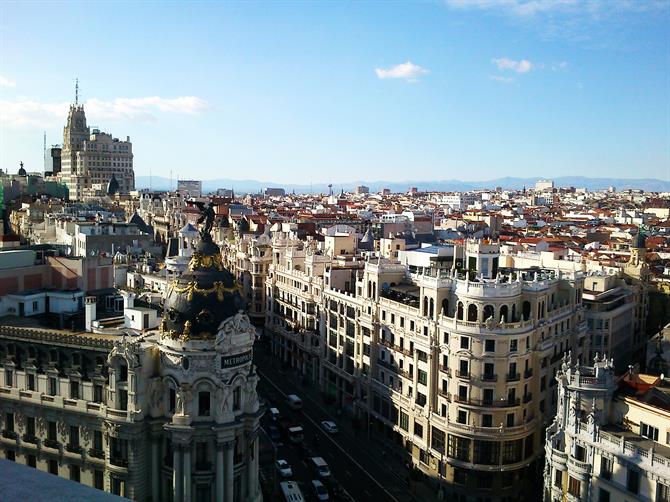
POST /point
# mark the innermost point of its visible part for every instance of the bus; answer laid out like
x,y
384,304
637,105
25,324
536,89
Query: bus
x,y
291,491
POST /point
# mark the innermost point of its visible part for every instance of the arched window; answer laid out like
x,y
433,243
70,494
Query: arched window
x,y
425,305
445,306
526,310
459,311
514,319
472,312
504,313
432,308
489,311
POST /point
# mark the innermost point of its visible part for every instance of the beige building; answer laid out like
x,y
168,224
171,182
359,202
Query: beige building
x,y
92,162
170,415
610,440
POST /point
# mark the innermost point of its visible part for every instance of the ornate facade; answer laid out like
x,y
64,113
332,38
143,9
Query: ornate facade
x,y
170,415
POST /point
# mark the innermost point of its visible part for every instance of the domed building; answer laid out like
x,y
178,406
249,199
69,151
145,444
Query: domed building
x,y
205,363
168,414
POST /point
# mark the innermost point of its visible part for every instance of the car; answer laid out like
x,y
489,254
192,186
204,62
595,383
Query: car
x,y
283,468
329,426
319,490
274,433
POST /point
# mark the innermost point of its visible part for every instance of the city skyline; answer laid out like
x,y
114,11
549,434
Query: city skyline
x,y
323,92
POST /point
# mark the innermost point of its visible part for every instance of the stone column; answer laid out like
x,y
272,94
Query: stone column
x,y
219,473
251,489
177,477
187,474
230,470
155,470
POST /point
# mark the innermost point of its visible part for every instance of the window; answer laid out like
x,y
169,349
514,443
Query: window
x,y
173,399
558,478
513,345
662,493
74,436
606,468
404,421
437,439
53,467
51,431
9,422
648,431
574,486
97,393
31,381
510,420
237,399
487,420
633,481
486,452
422,377
604,495
74,390
420,399
52,386
10,455
98,480
465,342
9,378
462,417
74,473
123,399
97,440
31,461
418,429
489,346
30,426
458,448
203,404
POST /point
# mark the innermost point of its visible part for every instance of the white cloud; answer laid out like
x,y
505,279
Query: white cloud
x,y
560,66
407,71
502,80
7,82
521,66
34,114
522,8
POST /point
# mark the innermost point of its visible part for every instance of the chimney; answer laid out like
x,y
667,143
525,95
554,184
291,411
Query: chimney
x,y
91,313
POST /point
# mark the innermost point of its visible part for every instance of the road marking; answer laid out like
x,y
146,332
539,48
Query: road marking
x,y
353,461
347,473
365,492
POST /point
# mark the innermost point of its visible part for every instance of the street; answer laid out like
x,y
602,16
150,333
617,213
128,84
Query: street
x,y
358,465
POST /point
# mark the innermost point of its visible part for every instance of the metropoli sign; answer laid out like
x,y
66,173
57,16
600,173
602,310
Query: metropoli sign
x,y
236,360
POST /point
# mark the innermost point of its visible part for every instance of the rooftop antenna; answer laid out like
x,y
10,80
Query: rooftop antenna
x,y
45,150
76,91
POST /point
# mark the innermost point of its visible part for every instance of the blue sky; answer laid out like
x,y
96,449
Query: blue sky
x,y
333,91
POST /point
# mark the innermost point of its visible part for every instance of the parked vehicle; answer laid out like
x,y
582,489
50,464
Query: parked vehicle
x,y
296,434
294,402
291,491
274,414
283,468
320,467
319,490
329,426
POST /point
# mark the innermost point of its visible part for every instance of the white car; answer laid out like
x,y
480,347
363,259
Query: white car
x,y
329,426
283,468
319,490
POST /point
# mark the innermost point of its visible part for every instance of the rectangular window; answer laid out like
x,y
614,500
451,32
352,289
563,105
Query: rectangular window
x,y
52,386
462,417
97,440
97,393
9,378
74,436
51,431
203,404
490,346
648,431
418,429
574,486
404,421
98,480
465,342
558,478
458,448
9,422
74,390
437,439
31,381
237,399
422,377
662,492
173,399
513,345
604,495
53,467
74,473
606,468
633,481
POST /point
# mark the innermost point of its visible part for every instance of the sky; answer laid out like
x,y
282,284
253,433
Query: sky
x,y
307,91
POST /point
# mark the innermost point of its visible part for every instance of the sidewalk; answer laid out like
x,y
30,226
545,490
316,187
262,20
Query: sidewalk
x,y
384,452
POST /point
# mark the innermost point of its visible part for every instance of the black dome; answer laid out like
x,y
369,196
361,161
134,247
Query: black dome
x,y
204,295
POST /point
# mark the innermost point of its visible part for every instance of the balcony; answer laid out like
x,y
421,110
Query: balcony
x,y
51,443
29,438
444,394
528,398
73,448
94,452
489,377
119,462
528,373
488,403
513,377
463,374
446,370
10,434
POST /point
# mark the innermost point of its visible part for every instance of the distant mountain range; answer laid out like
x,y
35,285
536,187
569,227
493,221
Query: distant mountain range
x,y
254,186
